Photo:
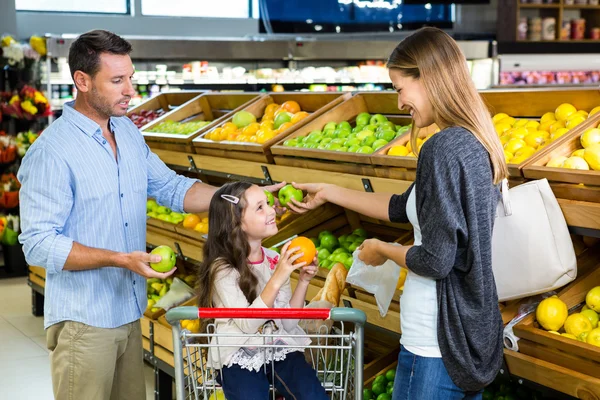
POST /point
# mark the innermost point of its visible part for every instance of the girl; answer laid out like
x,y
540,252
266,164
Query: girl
x,y
237,272
451,325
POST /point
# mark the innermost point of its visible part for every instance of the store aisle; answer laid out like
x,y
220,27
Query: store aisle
x,y
24,362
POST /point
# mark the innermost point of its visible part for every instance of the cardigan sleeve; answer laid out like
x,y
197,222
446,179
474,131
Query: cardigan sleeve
x,y
440,213
397,207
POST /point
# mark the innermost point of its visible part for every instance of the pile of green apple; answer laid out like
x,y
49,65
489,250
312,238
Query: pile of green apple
x,y
154,210
382,387
333,249
371,133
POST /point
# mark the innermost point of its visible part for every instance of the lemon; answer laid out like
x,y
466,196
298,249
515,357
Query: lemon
x,y
568,335
564,111
593,337
590,137
558,133
554,332
583,337
576,324
532,124
557,125
536,139
576,163
522,154
584,113
508,155
551,313
592,156
592,299
557,162
594,111
514,144
592,316
545,126
504,139
508,120
521,123
398,151
585,307
573,122
549,116
578,153
518,133
500,116
502,127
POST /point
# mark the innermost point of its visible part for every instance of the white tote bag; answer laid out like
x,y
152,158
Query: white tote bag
x,y
532,251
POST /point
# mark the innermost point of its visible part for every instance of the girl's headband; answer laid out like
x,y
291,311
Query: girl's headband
x,y
230,198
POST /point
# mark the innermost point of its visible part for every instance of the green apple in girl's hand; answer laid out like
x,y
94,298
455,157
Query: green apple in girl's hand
x,y
270,198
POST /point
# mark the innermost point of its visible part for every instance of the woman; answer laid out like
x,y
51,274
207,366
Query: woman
x,y
451,324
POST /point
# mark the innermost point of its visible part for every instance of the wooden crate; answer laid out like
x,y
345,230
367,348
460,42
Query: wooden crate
x,y
167,102
571,354
564,146
355,163
518,103
213,107
37,275
314,103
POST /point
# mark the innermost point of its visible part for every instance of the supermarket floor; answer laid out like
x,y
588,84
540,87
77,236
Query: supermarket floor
x,y
24,361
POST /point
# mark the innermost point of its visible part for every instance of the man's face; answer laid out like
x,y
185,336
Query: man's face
x,y
112,88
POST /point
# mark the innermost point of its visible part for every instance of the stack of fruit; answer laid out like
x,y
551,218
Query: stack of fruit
x,y
145,116
333,250
521,138
382,387
157,288
406,150
179,128
244,127
552,315
193,221
371,133
584,159
154,210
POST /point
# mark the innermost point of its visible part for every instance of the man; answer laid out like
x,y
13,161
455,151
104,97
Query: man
x,y
85,182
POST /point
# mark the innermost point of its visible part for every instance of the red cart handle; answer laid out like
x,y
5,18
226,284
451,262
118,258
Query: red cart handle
x,y
264,313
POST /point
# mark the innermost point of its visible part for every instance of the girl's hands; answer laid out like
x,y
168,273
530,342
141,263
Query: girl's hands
x,y
285,266
370,252
309,271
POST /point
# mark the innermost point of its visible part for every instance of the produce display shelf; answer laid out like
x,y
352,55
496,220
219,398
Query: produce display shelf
x,y
164,103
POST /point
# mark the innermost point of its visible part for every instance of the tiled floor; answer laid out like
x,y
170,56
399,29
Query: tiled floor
x,y
24,362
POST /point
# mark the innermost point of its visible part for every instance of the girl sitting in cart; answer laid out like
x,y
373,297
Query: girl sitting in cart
x,y
237,272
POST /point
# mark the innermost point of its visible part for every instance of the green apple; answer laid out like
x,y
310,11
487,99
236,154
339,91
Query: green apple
x,y
338,141
270,198
289,192
333,146
331,257
315,241
168,259
242,119
378,119
152,214
340,257
343,134
365,150
314,138
163,210
290,142
338,250
388,125
368,141
353,246
329,134
353,142
348,262
379,143
386,135
353,148
325,140
326,264
358,128
345,125
282,118
342,238
403,129
322,234
330,126
342,149
329,242
301,139
322,146
360,232
364,134
163,217
151,205
301,145
323,254
363,118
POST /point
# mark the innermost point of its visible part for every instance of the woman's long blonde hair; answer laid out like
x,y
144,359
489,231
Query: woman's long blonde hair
x,y
434,57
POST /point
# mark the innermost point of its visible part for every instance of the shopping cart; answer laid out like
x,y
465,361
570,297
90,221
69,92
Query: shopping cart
x,y
336,349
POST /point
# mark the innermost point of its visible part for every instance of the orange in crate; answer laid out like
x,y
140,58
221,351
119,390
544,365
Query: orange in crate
x,y
307,247
191,220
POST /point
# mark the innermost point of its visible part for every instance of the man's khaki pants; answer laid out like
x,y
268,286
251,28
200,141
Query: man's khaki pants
x,y
89,363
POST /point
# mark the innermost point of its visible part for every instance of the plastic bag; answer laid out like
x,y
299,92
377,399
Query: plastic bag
x,y
177,294
380,281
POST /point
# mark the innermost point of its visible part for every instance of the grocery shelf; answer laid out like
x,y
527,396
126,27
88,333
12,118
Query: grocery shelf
x,y
527,5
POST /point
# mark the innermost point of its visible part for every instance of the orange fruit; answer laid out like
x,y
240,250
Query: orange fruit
x,y
230,126
291,106
251,129
306,246
253,139
299,116
232,135
270,111
267,124
284,126
190,221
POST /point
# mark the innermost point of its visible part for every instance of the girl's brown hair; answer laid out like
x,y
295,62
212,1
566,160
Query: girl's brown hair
x,y
434,57
226,247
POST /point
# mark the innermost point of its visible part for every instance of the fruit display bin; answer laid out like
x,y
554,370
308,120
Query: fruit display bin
x,y
339,161
565,146
163,103
570,354
213,107
313,103
517,103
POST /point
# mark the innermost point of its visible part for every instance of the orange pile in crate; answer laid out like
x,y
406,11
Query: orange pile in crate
x,y
521,138
245,128
193,221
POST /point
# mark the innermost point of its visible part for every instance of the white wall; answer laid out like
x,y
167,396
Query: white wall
x,y
8,22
